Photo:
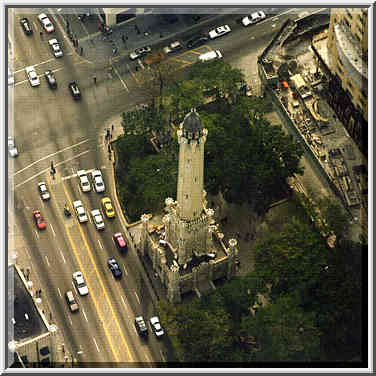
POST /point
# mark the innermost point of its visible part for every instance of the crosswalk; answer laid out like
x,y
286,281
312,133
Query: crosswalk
x,y
87,171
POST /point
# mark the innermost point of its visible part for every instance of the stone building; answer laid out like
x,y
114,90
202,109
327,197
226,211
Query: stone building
x,y
187,250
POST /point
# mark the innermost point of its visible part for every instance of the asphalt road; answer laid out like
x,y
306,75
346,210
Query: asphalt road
x,y
50,126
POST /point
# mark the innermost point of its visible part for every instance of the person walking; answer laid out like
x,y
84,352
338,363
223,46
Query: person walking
x,y
82,51
95,80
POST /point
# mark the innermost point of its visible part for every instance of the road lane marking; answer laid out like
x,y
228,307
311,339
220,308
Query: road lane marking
x,y
62,256
36,233
134,329
35,65
28,254
100,244
146,356
125,270
70,320
58,290
96,344
47,261
121,80
85,315
138,299
50,155
122,299
162,355
52,229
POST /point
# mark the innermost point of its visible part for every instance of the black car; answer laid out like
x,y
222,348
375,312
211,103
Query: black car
x,y
50,78
74,89
26,26
141,327
114,267
198,41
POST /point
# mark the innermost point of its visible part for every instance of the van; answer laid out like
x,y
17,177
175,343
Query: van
x,y
10,78
210,56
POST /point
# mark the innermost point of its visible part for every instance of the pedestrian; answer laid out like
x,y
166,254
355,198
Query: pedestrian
x,y
112,127
109,148
67,24
123,38
41,34
63,348
109,156
82,51
111,136
95,80
136,69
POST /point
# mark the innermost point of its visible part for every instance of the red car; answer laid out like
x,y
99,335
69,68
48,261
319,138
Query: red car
x,y
39,220
120,241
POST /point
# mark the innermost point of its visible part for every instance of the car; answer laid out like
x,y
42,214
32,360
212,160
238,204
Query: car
x,y
10,78
173,47
55,47
212,55
32,76
107,207
156,327
26,26
80,283
97,218
43,191
120,242
138,52
71,301
50,78
219,31
141,327
75,90
39,220
253,18
197,41
12,149
84,181
98,181
114,267
46,23
80,211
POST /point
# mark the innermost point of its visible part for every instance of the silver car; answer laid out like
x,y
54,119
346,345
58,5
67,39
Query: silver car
x,y
13,152
138,52
80,283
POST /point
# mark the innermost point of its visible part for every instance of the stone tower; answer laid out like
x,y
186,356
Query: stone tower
x,y
188,227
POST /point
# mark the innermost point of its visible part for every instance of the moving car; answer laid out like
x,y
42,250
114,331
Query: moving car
x,y
32,76
120,242
74,89
84,181
253,18
26,26
197,41
71,301
173,47
46,23
97,218
12,149
138,52
219,31
39,220
107,207
210,56
55,47
141,327
80,211
43,191
156,327
50,78
114,267
80,283
98,181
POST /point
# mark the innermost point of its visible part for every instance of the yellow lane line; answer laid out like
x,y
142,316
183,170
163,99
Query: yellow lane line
x,y
114,317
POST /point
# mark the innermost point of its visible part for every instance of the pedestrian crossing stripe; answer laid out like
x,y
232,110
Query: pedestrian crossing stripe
x,y
87,171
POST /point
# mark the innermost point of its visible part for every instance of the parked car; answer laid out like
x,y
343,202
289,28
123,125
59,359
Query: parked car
x,y
43,191
108,209
50,78
141,327
12,149
115,268
197,41
80,211
253,18
10,78
75,90
26,26
212,55
71,301
39,220
156,327
98,181
219,31
173,47
97,219
32,76
84,181
55,47
46,23
79,281
138,52
120,242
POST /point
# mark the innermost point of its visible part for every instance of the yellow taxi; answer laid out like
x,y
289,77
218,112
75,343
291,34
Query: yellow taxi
x,y
107,207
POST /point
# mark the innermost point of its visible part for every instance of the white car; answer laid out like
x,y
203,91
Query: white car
x,y
80,211
138,52
43,191
219,31
13,152
55,47
80,283
173,47
98,181
253,18
97,218
156,326
32,76
46,23
84,181
207,56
